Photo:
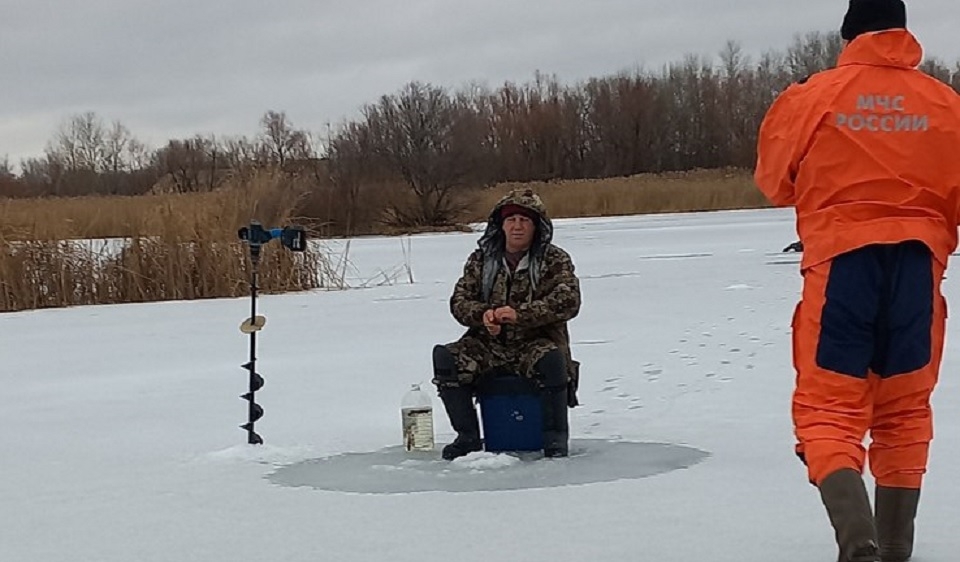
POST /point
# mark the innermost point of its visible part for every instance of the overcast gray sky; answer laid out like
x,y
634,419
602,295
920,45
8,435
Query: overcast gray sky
x,y
177,68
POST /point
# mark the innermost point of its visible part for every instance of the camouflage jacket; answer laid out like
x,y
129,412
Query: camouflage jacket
x,y
545,293
542,309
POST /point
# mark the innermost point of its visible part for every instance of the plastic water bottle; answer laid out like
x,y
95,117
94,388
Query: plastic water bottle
x,y
416,410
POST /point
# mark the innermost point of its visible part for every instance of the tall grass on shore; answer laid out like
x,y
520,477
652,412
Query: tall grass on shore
x,y
699,190
187,249
274,199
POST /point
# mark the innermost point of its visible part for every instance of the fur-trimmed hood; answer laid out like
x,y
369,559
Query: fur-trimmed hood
x,y
493,241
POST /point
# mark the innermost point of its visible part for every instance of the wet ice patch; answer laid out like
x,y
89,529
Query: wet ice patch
x,y
396,471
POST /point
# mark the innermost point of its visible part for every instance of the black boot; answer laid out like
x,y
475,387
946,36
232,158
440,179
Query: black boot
x,y
458,402
848,506
556,426
896,510
551,369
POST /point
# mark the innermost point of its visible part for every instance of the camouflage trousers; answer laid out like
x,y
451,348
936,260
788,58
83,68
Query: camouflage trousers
x,y
475,356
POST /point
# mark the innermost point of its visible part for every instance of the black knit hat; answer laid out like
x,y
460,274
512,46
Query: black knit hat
x,y
873,15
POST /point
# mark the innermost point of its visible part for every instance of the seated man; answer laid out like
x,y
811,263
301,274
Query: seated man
x,y
515,297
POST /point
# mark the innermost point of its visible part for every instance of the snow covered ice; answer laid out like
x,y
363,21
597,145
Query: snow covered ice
x,y
121,440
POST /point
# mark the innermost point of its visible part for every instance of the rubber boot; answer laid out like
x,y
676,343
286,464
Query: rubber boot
x,y
551,369
848,506
458,402
896,511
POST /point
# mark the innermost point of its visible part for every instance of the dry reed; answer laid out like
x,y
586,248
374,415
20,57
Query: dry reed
x,y
700,190
186,248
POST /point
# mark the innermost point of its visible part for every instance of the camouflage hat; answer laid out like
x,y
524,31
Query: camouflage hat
x,y
492,240
523,197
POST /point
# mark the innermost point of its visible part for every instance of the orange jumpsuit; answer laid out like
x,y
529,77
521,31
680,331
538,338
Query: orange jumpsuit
x,y
869,155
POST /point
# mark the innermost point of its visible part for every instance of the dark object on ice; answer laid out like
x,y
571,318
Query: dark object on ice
x,y
795,247
511,412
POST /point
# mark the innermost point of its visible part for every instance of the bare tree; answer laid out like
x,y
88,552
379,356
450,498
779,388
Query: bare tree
x,y
137,155
185,163
42,176
88,156
733,63
10,184
80,143
282,142
619,125
812,53
739,100
116,144
350,159
426,138
241,152
6,169
476,103
936,68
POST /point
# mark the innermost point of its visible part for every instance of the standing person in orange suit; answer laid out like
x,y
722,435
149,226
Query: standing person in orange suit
x,y
866,153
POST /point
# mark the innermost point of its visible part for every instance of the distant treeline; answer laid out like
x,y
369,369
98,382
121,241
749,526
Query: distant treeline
x,y
410,153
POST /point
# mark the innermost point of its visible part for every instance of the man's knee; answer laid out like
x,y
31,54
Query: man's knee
x,y
444,367
551,369
900,466
444,364
824,457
